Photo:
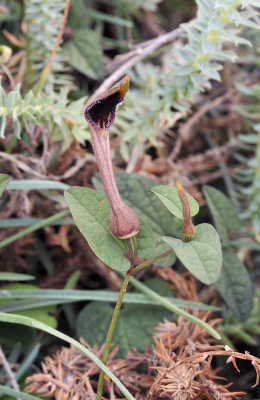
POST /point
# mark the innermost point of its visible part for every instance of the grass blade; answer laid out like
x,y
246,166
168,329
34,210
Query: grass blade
x,y
35,184
12,276
43,297
19,319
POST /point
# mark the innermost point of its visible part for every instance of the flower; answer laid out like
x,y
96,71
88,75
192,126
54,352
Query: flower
x,y
100,113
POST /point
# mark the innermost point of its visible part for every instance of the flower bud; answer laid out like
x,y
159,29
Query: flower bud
x,y
188,229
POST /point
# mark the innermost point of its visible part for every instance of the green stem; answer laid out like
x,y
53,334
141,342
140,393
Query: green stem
x,y
151,261
33,228
110,334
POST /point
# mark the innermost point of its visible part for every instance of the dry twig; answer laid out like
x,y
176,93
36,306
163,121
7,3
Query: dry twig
x,y
142,50
8,370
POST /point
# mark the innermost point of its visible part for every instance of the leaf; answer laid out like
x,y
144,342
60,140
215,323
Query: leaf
x,y
18,335
12,276
16,394
202,255
225,217
135,192
90,210
83,52
4,179
40,297
135,325
18,319
41,313
235,285
170,198
145,241
36,184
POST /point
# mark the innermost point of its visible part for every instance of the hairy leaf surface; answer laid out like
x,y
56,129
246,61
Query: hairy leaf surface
x,y
135,191
170,198
90,210
202,255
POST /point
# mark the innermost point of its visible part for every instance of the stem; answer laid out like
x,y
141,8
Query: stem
x,y
8,370
110,334
151,261
33,228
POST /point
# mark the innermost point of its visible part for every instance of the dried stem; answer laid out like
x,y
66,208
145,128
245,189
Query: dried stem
x,y
8,370
47,67
142,51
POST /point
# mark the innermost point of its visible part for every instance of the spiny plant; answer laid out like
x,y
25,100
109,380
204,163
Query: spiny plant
x,y
61,117
190,71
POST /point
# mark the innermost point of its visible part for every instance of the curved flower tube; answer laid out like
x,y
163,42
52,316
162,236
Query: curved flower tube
x,y
100,114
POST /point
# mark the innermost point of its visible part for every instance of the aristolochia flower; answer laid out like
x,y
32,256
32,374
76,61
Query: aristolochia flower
x,y
100,113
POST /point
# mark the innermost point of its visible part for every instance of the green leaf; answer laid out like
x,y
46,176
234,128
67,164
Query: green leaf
x,y
22,222
22,336
202,255
90,210
43,297
135,191
12,276
42,314
36,184
16,394
83,52
170,198
235,286
18,319
145,241
225,217
4,179
135,325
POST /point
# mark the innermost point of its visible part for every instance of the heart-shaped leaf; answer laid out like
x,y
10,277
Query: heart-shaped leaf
x,y
135,191
170,198
90,210
202,255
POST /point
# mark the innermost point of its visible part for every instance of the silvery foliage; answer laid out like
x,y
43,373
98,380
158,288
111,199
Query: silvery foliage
x,y
190,65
